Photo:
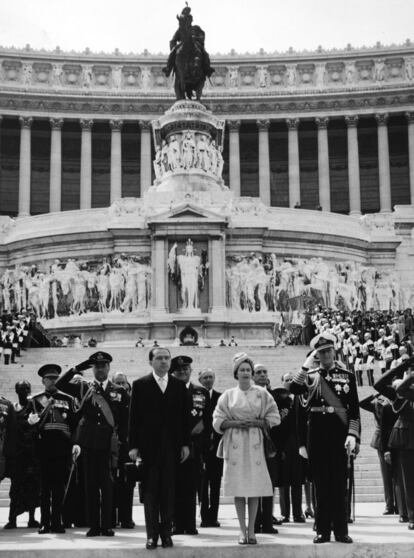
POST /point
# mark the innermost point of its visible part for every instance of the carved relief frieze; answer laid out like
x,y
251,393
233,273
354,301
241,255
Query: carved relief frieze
x,y
365,70
159,79
247,76
130,76
335,73
394,68
101,75
277,75
41,73
306,74
71,75
11,70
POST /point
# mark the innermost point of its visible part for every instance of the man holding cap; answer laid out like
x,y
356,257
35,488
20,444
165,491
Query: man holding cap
x,y
189,472
53,416
330,400
211,481
102,428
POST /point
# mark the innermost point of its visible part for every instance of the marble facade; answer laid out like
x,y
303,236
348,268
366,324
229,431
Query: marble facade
x,y
210,174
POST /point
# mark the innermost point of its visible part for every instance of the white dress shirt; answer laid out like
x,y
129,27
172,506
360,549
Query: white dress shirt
x,y
162,381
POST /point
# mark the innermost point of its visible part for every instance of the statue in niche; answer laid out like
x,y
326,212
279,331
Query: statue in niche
x,y
290,75
220,161
173,154
188,271
262,76
158,164
233,77
349,72
213,156
189,267
188,151
379,71
146,77
202,154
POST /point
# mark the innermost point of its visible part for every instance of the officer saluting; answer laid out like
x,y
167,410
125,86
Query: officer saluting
x,y
102,428
189,472
330,400
53,416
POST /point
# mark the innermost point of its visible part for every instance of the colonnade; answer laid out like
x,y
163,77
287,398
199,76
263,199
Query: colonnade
x,y
322,124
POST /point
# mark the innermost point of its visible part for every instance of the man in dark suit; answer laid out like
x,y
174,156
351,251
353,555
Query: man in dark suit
x,y
123,487
189,473
264,517
211,480
159,434
385,419
102,428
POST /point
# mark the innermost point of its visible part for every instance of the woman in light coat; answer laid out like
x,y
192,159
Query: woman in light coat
x,y
241,415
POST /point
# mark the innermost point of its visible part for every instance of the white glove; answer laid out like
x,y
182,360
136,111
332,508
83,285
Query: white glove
x,y
350,442
76,451
133,454
33,419
310,361
303,452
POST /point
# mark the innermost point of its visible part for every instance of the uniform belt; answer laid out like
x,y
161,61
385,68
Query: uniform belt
x,y
56,426
327,409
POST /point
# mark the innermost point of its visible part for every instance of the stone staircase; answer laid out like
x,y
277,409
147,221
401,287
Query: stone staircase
x,y
134,363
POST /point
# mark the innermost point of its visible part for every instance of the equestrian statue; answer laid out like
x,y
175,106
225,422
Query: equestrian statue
x,y
188,58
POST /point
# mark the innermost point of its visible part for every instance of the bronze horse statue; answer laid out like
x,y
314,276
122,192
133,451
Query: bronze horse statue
x,y
188,58
189,72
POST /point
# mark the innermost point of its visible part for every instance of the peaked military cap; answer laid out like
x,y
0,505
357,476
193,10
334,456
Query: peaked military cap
x,y
49,371
100,357
179,362
323,341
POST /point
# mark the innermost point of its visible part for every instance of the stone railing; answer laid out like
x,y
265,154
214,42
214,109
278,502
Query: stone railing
x,y
366,68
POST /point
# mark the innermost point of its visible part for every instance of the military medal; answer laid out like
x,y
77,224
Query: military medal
x,y
338,388
346,388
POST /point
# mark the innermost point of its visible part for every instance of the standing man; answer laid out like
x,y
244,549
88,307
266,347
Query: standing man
x,y
53,416
264,517
25,474
330,400
102,428
189,473
7,437
210,484
159,434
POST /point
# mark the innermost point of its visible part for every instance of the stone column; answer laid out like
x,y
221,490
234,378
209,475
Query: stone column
x,y
234,156
86,165
25,165
55,185
384,164
116,160
353,165
159,276
146,162
294,170
410,118
217,277
264,161
323,164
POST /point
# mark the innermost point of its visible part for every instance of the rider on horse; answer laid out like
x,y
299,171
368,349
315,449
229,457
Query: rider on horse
x,y
185,21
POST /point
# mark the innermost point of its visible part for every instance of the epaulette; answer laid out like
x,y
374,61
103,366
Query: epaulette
x,y
34,395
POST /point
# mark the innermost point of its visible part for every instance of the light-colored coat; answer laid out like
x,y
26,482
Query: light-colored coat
x,y
245,472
